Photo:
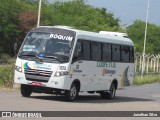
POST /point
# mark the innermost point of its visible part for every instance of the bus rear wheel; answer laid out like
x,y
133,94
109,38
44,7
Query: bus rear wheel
x,y
26,90
109,94
72,94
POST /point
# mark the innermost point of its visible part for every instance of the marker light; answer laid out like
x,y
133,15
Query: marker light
x,y
19,69
62,73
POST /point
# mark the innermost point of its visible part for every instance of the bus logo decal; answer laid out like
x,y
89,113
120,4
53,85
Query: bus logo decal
x,y
107,71
37,66
26,66
124,78
106,64
77,71
61,37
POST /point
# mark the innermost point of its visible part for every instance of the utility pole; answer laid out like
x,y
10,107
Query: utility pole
x,y
144,47
39,13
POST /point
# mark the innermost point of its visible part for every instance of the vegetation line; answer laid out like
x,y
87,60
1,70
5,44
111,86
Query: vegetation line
x,y
7,74
148,79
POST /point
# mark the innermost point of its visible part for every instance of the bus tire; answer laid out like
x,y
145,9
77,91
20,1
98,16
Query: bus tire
x,y
109,94
112,92
72,94
26,90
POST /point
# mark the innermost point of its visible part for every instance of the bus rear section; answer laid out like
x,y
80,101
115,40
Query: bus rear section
x,y
104,63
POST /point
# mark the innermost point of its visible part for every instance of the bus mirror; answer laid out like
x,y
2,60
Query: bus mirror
x,y
15,48
76,53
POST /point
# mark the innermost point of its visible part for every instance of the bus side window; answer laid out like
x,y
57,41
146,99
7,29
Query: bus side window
x,y
86,51
125,53
95,51
106,52
116,53
78,51
131,56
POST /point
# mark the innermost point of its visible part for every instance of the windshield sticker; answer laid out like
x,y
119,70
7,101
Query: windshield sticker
x,y
29,47
61,37
40,36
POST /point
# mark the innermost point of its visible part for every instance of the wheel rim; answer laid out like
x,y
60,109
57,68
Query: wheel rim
x,y
73,93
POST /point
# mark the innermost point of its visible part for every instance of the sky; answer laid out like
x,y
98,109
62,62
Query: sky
x,y
130,10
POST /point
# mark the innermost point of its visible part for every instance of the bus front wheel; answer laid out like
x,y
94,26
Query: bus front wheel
x,y
72,94
26,90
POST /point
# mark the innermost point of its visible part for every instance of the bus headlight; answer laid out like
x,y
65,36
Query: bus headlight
x,y
62,73
19,69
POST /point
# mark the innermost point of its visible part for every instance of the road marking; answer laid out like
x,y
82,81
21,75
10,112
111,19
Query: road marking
x,y
156,95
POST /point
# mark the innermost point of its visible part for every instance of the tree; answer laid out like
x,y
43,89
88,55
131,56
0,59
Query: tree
x,y
136,33
9,24
28,20
15,20
17,17
79,15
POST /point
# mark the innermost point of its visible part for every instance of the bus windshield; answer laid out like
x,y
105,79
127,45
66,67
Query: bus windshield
x,y
47,46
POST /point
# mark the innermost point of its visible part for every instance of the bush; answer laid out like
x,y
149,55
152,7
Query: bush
x,y
6,75
146,79
4,58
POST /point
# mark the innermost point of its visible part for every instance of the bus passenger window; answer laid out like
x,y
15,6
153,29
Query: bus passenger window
x,y
131,55
125,53
95,51
116,53
86,50
106,52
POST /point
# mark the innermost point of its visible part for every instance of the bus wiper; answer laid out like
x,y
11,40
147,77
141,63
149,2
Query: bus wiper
x,y
54,58
29,55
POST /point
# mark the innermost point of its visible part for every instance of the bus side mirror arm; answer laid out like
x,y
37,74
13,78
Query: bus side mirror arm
x,y
75,56
15,48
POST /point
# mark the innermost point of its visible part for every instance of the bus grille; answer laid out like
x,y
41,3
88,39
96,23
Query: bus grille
x,y
37,75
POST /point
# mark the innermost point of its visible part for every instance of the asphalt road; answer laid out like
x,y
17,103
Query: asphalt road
x,y
135,98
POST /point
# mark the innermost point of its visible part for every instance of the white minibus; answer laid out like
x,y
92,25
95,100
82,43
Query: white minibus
x,y
65,61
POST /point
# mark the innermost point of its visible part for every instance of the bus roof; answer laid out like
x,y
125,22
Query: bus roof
x,y
93,36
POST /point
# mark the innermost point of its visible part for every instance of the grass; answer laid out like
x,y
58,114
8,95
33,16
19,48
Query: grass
x,y
6,75
148,79
6,71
